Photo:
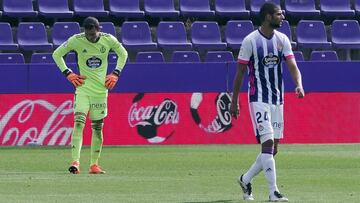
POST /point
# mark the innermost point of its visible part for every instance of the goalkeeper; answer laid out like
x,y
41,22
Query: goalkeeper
x,y
92,84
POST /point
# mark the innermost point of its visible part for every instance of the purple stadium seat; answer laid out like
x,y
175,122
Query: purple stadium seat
x,y
63,30
87,8
286,29
336,8
231,8
125,8
18,8
6,38
301,8
198,8
219,56
71,58
11,58
149,57
108,27
298,55
136,35
160,8
172,35
42,58
312,34
357,7
323,56
255,5
185,56
345,34
112,57
54,9
205,35
236,31
31,36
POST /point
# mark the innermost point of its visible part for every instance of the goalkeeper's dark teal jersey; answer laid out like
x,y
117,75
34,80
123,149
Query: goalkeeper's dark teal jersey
x,y
92,60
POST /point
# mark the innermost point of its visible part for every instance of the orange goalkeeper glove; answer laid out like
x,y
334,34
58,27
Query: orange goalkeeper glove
x,y
76,80
111,81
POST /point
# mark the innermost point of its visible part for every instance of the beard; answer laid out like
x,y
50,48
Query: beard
x,y
275,25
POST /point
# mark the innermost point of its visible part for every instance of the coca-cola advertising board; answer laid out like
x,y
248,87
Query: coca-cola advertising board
x,y
176,118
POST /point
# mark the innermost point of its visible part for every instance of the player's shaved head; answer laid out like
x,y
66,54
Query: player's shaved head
x,y
90,23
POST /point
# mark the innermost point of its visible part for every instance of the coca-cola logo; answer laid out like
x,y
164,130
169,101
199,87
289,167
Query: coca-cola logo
x,y
222,120
22,114
148,118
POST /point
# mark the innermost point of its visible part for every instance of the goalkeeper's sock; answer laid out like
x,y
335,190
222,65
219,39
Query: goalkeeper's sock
x,y
96,141
268,163
255,169
76,141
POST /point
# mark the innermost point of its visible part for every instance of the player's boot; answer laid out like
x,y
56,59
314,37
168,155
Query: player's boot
x,y
96,169
277,197
75,167
246,188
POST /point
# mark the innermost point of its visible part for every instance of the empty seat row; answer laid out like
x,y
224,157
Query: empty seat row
x,y
166,8
205,35
157,56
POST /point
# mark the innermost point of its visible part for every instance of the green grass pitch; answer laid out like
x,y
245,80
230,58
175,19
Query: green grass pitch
x,y
178,174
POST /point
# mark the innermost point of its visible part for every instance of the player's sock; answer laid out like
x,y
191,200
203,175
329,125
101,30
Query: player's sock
x,y
76,140
96,141
268,163
255,169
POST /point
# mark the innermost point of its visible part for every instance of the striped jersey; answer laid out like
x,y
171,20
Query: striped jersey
x,y
264,56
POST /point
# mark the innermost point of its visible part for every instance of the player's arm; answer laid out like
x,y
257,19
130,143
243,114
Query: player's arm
x,y
293,69
58,56
239,76
122,54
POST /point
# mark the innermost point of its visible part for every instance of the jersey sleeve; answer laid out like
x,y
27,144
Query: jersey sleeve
x,y
61,51
120,51
245,51
287,50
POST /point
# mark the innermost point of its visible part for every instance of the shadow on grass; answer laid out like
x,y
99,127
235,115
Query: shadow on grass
x,y
216,201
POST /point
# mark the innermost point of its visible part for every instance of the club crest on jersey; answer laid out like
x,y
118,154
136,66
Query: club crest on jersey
x,y
102,49
270,60
93,62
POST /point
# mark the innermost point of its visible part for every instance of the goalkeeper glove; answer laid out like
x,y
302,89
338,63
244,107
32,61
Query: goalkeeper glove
x,y
76,80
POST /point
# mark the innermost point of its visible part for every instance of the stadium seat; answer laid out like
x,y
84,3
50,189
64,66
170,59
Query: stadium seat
x,y
357,7
172,35
236,31
299,56
345,34
71,58
108,27
301,9
125,8
54,9
198,8
160,8
185,56
219,56
18,8
63,30
31,36
42,58
255,5
149,57
112,57
323,56
205,35
336,8
231,9
312,34
85,8
286,29
6,38
136,35
11,58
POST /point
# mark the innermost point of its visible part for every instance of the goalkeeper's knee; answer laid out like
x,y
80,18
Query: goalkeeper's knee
x,y
97,126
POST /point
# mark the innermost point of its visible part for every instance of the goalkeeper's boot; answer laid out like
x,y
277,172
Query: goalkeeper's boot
x,y
277,197
246,188
96,169
75,167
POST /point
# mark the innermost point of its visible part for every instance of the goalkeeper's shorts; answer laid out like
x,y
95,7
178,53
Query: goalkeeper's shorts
x,y
95,106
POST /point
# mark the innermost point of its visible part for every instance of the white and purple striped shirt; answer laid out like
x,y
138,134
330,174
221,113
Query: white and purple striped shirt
x,y
264,57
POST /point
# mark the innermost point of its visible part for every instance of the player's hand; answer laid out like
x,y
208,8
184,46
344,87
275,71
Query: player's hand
x,y
234,109
300,92
111,81
76,80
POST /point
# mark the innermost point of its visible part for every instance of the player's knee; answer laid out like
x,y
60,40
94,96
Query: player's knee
x,y
275,151
79,117
97,125
267,146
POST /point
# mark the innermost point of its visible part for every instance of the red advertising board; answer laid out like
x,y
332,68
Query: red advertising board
x,y
176,118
